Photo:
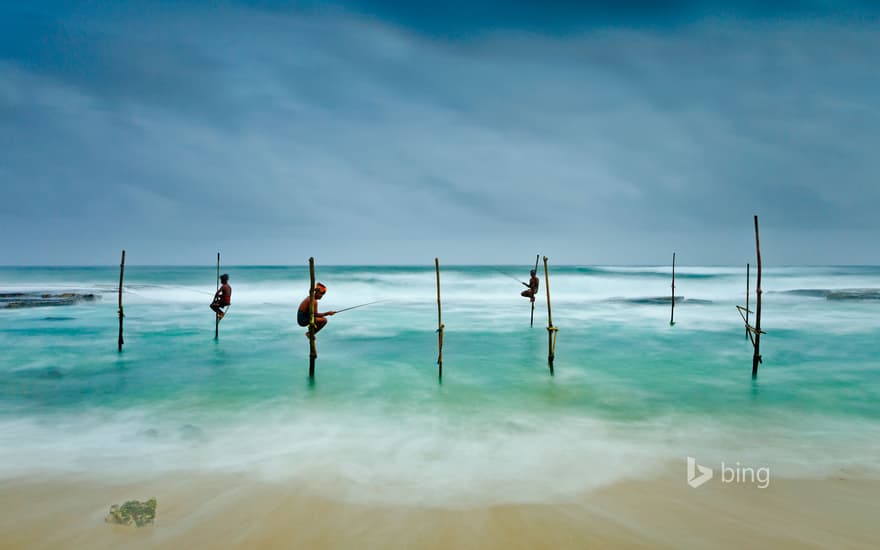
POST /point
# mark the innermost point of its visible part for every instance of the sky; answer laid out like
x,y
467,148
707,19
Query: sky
x,y
366,132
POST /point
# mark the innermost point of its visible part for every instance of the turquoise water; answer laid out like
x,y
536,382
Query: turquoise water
x,y
630,393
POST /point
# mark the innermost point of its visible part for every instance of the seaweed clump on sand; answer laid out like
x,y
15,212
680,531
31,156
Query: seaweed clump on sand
x,y
133,512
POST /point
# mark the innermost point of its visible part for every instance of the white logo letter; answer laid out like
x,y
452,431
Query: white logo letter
x,y
734,474
692,478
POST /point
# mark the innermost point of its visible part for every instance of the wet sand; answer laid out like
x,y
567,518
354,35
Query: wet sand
x,y
225,511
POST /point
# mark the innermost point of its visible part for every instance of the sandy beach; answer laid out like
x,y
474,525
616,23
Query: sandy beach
x,y
237,512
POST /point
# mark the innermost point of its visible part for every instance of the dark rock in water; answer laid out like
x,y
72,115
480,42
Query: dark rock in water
x,y
854,294
811,292
189,432
151,432
133,512
59,318
839,294
54,373
13,300
658,300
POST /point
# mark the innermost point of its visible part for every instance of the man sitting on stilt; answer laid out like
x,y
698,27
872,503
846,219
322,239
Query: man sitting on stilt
x,y
533,287
223,297
303,313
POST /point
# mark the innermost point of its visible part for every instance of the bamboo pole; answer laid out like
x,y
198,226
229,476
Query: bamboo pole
x,y
551,330
313,350
439,323
121,314
216,316
756,358
672,312
532,318
747,300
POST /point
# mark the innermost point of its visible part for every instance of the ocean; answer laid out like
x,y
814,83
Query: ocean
x,y
630,393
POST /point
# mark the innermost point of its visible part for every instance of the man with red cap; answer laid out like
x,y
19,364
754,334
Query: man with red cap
x,y
303,313
223,297
532,287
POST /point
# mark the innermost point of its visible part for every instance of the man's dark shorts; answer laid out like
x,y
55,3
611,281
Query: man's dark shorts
x,y
302,318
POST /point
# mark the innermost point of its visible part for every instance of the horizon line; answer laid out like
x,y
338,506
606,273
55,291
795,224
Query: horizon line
x,y
50,266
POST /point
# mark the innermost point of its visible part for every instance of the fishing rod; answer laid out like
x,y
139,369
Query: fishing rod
x,y
361,305
509,275
126,288
145,297
187,289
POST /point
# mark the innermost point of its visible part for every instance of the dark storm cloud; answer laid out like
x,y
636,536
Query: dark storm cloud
x,y
456,19
372,132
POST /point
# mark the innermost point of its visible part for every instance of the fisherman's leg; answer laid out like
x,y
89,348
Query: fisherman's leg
x,y
319,323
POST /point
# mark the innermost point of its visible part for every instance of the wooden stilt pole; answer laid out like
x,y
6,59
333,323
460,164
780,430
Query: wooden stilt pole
x,y
532,319
439,323
756,358
672,312
313,350
551,330
217,317
121,314
753,332
747,300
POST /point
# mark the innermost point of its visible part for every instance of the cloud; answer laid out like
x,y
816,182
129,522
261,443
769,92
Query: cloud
x,y
375,139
